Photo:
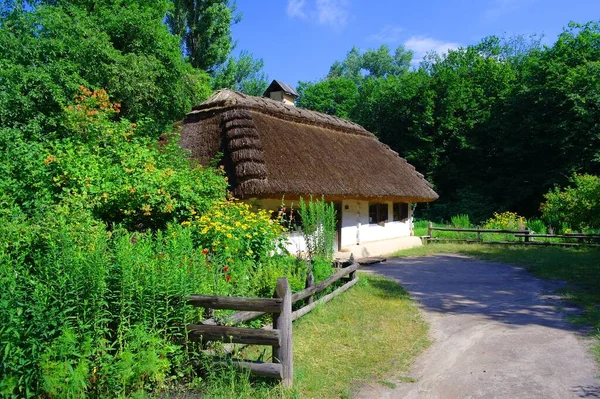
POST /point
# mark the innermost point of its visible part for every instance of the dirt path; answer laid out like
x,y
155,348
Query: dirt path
x,y
498,333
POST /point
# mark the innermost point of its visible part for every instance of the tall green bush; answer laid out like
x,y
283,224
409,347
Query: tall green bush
x,y
318,227
576,206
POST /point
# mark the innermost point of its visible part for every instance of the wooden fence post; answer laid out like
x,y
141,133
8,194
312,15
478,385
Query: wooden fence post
x,y
478,234
283,353
526,238
429,230
310,281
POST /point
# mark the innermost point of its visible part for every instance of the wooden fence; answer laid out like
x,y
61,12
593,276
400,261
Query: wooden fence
x,y
279,335
524,237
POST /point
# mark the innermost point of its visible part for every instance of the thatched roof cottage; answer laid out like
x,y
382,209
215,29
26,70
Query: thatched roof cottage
x,y
273,150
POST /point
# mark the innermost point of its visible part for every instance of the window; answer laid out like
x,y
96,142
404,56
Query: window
x,y
378,213
400,211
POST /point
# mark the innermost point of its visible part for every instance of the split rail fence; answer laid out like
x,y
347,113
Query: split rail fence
x,y
279,334
523,236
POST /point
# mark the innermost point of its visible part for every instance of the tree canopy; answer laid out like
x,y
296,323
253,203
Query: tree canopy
x,y
494,125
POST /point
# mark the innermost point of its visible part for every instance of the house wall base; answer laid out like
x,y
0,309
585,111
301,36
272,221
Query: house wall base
x,y
379,248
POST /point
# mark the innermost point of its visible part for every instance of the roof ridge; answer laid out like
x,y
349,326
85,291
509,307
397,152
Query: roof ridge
x,y
227,98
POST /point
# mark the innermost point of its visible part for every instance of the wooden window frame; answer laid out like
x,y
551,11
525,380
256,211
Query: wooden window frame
x,y
381,212
400,211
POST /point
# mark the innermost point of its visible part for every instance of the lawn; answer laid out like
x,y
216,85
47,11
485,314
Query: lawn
x,y
371,332
578,267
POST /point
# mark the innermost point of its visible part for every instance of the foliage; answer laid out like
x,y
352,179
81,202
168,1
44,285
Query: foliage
x,y
506,221
536,226
318,227
577,205
376,63
494,125
49,50
242,74
205,30
461,221
336,96
105,166
105,310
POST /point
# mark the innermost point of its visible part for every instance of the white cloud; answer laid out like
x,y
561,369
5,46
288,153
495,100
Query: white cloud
x,y
421,45
387,34
333,13
295,8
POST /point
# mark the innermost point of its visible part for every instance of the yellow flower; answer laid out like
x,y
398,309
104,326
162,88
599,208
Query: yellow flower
x,y
186,223
229,235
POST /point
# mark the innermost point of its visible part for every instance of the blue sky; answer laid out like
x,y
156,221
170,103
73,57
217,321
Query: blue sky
x,y
300,39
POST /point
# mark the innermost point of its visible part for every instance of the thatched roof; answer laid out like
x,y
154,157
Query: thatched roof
x,y
272,150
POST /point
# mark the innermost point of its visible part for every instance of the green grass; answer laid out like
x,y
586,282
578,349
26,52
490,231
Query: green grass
x,y
578,267
362,335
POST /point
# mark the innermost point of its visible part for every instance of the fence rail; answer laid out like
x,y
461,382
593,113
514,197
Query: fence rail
x,y
279,335
524,236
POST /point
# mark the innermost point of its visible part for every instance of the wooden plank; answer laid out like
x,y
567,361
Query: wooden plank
x,y
593,237
235,318
370,261
250,336
483,231
267,305
324,284
227,349
303,311
283,353
271,370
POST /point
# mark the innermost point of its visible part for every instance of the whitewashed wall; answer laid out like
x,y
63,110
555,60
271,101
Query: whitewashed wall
x,y
355,224
357,230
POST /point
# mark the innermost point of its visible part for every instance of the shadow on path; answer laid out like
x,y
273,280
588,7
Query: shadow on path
x,y
498,332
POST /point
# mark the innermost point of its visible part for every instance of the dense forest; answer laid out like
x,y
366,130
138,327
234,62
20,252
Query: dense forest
x,y
494,125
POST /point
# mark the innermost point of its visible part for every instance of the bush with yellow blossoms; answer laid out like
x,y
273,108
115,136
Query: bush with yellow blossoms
x,y
244,249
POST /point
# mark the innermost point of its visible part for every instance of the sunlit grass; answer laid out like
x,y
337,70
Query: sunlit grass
x,y
362,335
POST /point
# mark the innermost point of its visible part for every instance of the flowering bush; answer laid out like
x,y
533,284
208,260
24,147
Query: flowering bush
x,y
506,221
122,178
241,244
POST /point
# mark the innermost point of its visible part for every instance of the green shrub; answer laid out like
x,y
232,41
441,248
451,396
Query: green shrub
x,y
537,226
461,221
318,227
90,312
576,206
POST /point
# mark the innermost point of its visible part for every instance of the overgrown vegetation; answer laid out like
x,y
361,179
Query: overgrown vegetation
x,y
578,267
318,230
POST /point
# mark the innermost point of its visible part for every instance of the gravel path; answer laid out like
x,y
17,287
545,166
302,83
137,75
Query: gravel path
x,y
498,333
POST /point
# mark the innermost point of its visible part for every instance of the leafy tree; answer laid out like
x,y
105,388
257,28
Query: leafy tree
x,y
577,205
126,49
204,27
334,96
242,74
372,63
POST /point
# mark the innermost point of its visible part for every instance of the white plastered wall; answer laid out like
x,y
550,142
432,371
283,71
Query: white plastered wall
x,y
357,230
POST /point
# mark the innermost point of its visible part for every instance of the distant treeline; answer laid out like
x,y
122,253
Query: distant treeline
x,y
494,125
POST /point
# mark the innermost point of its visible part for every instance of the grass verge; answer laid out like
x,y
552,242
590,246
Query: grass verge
x,y
578,267
362,335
